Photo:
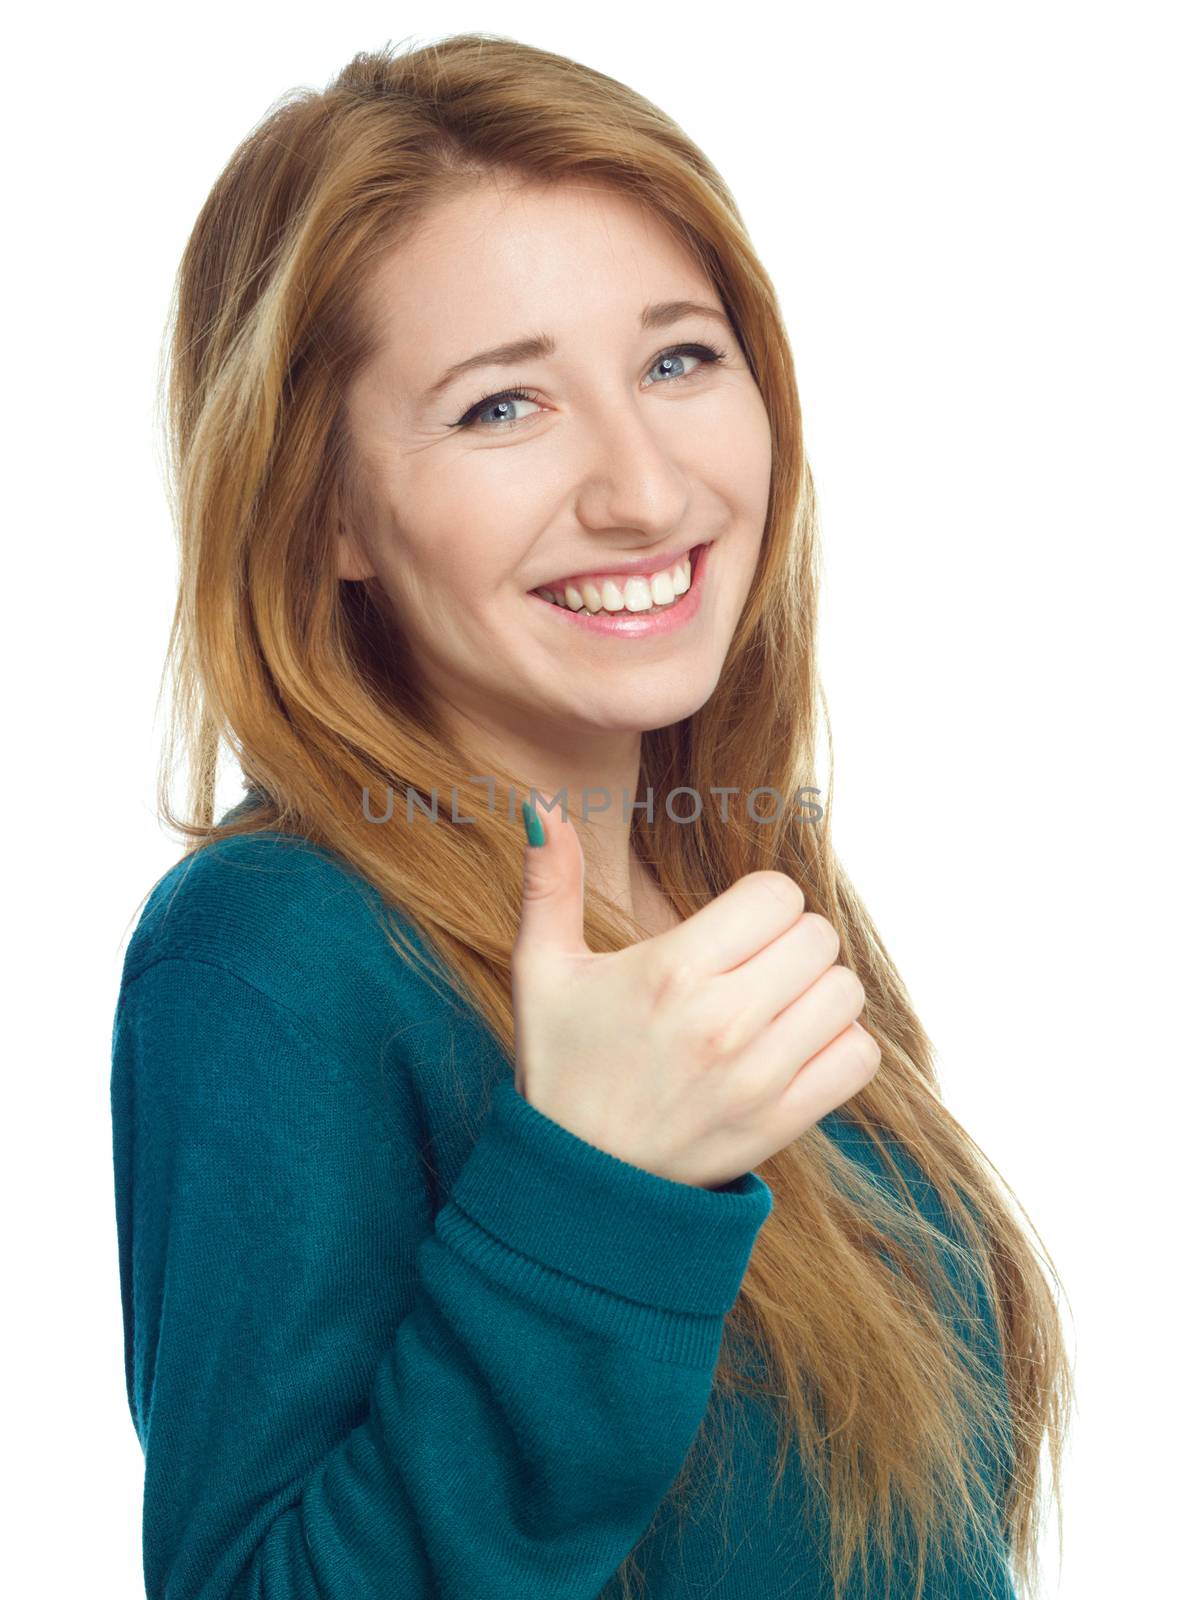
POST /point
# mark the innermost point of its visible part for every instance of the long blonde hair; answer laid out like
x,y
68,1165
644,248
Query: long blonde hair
x,y
306,680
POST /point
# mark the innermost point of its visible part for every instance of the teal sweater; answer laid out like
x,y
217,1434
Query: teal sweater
x,y
389,1330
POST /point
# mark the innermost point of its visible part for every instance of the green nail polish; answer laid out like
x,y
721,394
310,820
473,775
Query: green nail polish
x,y
535,828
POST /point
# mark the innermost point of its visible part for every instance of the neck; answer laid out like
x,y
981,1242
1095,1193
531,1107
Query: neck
x,y
594,776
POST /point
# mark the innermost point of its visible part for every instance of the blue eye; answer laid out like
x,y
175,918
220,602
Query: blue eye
x,y
703,352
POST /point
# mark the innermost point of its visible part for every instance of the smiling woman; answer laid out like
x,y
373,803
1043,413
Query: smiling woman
x,y
484,1207
626,454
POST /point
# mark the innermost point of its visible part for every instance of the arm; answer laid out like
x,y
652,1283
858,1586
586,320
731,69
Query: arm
x,y
340,1395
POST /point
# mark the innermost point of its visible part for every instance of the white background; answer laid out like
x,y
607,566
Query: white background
x,y
967,214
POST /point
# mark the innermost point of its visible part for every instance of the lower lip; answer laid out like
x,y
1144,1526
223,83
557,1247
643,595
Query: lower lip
x,y
638,624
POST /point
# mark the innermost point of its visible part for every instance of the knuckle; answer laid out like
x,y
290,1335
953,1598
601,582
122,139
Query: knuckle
x,y
748,1094
720,1035
536,886
675,981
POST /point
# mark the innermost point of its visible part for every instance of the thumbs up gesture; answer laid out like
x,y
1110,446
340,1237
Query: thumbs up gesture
x,y
698,1053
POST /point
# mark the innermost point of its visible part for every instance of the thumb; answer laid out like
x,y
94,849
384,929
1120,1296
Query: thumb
x,y
551,913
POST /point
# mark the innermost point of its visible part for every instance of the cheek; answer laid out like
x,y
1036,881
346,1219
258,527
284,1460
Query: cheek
x,y
742,450
441,582
756,446
463,532
755,469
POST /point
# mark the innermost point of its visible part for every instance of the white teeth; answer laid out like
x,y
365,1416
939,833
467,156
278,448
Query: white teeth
x,y
639,594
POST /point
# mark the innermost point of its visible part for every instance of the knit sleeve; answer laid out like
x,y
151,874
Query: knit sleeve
x,y
342,1395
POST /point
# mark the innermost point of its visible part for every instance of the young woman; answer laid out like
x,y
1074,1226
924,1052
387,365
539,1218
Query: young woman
x,y
509,1214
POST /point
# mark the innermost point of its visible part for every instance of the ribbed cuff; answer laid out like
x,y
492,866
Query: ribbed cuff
x,y
561,1201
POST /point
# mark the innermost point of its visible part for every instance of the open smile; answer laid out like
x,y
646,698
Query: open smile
x,y
632,607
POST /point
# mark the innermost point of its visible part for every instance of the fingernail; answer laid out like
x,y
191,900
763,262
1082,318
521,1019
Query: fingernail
x,y
535,828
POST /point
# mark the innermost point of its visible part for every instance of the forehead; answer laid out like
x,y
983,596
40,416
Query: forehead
x,y
497,262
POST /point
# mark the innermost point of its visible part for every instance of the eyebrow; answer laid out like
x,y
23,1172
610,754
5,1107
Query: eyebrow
x,y
659,315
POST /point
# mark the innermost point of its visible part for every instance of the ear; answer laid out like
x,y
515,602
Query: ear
x,y
353,563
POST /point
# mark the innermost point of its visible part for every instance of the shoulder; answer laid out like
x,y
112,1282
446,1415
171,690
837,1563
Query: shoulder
x,y
294,922
243,900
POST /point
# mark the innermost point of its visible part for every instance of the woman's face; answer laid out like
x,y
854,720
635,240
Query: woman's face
x,y
631,447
